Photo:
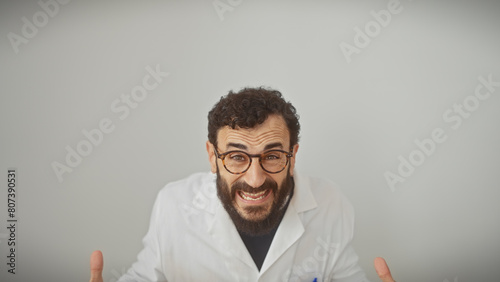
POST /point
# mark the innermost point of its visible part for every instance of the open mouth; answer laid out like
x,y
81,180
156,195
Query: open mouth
x,y
254,197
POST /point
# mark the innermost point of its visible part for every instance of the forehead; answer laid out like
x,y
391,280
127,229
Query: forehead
x,y
273,131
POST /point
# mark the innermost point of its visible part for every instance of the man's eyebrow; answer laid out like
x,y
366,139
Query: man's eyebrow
x,y
237,145
267,147
273,145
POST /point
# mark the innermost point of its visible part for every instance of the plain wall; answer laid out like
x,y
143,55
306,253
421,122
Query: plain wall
x,y
360,114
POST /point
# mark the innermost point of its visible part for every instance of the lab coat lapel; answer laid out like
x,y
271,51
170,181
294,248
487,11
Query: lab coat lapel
x,y
291,227
288,233
225,234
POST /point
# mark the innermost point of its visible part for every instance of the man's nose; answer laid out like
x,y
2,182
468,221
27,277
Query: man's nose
x,y
255,176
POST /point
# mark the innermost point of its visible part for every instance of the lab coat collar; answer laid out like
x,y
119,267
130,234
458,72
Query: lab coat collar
x,y
302,199
290,230
291,227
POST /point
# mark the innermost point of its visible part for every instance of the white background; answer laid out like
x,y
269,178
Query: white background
x,y
441,223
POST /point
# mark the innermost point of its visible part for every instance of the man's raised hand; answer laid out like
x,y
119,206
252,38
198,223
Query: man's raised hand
x,y
96,265
382,270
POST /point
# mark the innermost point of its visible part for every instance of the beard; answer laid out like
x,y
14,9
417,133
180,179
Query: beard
x,y
258,220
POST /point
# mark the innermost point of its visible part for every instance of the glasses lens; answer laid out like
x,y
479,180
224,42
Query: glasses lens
x,y
236,162
274,161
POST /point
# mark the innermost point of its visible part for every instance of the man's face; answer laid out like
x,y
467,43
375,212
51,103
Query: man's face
x,y
254,199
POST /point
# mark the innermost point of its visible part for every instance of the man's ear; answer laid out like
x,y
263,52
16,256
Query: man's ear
x,y
292,159
212,158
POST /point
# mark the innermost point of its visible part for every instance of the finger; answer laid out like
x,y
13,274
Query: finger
x,y
382,270
96,266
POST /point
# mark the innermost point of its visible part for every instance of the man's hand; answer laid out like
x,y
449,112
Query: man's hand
x,y
382,270
96,265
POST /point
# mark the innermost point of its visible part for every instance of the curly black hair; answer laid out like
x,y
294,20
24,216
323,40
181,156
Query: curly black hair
x,y
250,107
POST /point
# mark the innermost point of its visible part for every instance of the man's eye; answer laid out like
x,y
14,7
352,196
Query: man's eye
x,y
238,158
271,157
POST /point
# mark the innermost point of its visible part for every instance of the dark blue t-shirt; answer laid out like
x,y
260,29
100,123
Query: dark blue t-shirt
x,y
258,246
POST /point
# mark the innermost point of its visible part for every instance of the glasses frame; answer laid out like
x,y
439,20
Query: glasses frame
x,y
251,157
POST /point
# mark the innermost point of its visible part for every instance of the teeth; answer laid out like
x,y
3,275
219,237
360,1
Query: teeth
x,y
253,197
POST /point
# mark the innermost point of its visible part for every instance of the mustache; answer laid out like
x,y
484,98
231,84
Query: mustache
x,y
244,187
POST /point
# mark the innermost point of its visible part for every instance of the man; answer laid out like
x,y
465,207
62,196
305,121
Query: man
x,y
254,218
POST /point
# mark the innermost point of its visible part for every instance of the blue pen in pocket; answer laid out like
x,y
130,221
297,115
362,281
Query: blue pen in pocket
x,y
315,280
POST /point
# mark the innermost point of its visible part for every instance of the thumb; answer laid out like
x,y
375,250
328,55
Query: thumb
x,y
382,270
96,266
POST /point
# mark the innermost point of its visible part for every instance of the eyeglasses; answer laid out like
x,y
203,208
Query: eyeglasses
x,y
237,162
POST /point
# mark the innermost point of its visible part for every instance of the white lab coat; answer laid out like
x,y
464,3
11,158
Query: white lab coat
x,y
192,238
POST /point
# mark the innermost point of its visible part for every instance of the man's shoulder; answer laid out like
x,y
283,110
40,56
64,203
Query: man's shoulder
x,y
326,194
324,206
188,187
